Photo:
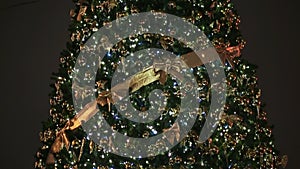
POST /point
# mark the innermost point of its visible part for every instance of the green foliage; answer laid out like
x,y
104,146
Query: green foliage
x,y
243,138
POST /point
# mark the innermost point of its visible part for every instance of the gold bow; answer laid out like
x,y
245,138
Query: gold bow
x,y
172,133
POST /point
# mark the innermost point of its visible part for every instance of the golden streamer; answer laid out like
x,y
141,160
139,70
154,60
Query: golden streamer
x,y
172,133
81,149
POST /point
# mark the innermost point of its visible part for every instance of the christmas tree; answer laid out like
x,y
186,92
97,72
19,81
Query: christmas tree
x,y
240,139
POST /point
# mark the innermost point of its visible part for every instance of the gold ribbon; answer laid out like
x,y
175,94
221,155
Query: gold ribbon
x,y
151,74
168,66
172,134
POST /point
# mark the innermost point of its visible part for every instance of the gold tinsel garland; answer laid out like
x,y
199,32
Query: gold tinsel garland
x,y
143,78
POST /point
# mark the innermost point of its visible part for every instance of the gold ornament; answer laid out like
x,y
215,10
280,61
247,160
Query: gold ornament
x,y
81,13
283,161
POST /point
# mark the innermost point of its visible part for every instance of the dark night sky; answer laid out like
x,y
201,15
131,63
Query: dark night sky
x,y
32,37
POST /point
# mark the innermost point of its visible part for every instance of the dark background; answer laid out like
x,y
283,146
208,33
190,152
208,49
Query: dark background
x,y
33,35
